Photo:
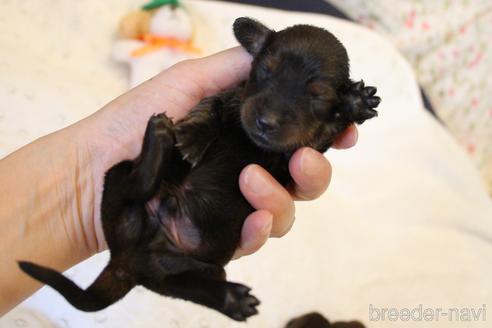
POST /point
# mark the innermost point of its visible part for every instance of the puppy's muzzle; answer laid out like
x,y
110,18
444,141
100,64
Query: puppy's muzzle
x,y
267,124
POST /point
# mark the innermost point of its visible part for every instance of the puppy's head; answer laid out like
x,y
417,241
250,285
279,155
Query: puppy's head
x,y
292,89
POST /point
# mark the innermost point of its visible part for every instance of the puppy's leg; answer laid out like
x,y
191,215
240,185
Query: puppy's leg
x,y
147,169
135,180
196,132
208,288
359,101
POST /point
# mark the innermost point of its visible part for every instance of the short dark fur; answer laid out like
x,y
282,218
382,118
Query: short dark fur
x,y
316,320
172,217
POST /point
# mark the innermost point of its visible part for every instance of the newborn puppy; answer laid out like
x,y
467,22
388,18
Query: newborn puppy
x,y
172,217
316,320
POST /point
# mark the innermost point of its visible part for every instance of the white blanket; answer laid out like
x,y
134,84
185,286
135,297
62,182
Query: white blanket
x,y
406,223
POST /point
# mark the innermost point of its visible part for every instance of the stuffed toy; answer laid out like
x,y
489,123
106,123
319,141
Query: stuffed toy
x,y
154,38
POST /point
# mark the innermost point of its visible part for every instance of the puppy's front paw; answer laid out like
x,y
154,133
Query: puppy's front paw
x,y
239,303
361,101
190,145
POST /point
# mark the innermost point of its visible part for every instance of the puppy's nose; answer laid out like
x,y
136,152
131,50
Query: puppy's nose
x,y
266,124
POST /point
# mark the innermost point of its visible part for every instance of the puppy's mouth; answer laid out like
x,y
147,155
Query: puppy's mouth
x,y
267,141
274,139
261,138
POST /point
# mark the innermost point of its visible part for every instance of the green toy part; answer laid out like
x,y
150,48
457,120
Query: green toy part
x,y
158,3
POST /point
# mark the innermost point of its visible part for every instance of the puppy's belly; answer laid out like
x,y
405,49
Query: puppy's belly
x,y
177,227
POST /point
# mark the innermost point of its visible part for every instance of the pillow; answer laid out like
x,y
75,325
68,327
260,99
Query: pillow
x,y
449,46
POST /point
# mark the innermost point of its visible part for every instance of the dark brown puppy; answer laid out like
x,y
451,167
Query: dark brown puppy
x,y
172,217
316,320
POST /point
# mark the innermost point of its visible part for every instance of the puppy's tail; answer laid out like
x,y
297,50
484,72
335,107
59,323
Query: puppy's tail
x,y
108,288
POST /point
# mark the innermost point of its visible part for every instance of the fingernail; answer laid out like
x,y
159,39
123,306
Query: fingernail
x,y
262,234
348,139
310,165
257,182
352,140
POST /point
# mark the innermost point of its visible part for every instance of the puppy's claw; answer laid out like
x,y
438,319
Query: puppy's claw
x,y
253,301
370,113
358,86
241,289
160,122
248,312
369,91
373,101
239,304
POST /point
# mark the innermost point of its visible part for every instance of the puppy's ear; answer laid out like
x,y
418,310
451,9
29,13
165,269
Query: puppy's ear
x,y
251,34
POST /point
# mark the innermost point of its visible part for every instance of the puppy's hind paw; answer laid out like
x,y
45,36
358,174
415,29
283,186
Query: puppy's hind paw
x,y
360,101
160,126
239,303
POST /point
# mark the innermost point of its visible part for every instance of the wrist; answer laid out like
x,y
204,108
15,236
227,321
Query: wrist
x,y
102,140
91,160
46,196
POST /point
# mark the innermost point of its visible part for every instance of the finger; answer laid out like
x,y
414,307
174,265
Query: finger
x,y
220,71
347,139
311,172
255,232
263,192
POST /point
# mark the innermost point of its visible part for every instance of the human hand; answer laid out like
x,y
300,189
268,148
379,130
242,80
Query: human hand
x,y
52,187
116,132
311,173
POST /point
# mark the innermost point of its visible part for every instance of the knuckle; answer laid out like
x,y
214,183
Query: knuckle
x,y
285,221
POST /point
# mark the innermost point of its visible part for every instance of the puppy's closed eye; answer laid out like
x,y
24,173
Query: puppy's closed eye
x,y
267,69
263,73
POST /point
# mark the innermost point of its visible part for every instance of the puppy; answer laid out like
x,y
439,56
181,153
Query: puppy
x,y
316,320
172,217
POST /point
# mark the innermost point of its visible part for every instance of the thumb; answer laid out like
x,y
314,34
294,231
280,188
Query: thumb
x,y
178,89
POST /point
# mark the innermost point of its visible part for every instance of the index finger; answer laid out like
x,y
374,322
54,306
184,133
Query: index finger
x,y
183,85
311,173
347,139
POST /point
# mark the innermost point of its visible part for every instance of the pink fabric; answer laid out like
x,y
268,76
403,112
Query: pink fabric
x,y
449,44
